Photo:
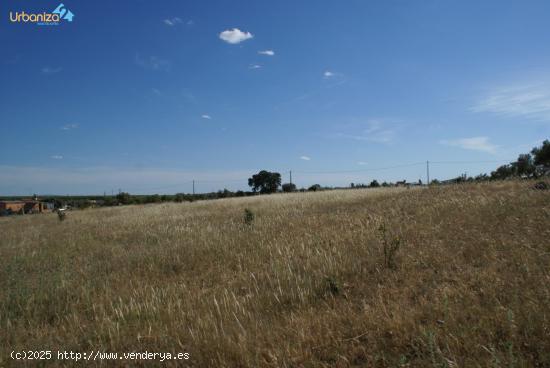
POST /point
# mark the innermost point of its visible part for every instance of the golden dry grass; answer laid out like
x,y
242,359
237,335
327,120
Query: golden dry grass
x,y
304,285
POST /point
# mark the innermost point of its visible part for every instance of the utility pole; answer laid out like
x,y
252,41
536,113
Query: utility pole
x,y
291,178
428,171
193,187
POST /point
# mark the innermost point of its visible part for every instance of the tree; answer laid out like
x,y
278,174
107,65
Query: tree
x,y
289,187
155,198
503,172
123,198
481,177
314,188
224,193
265,182
542,154
374,184
524,165
179,197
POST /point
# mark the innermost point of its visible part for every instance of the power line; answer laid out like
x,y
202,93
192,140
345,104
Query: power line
x,y
470,162
160,188
363,170
413,164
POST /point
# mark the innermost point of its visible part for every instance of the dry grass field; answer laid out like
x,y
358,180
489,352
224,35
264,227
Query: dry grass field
x,y
455,276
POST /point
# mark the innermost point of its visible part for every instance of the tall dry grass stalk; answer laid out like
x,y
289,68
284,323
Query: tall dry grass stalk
x,y
303,284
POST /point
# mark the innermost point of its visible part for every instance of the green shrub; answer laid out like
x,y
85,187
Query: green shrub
x,y
248,216
390,245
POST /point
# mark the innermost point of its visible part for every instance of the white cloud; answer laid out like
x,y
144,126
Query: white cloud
x,y
481,144
49,70
254,66
362,163
305,158
334,77
205,116
153,63
56,157
235,36
267,52
527,102
69,126
172,21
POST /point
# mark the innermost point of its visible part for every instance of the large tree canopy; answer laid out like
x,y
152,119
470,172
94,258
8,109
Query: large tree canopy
x,y
265,182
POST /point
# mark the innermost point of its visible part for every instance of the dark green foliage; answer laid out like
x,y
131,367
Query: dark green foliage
x,y
289,187
524,166
61,215
265,182
542,154
390,246
123,198
482,177
314,188
248,216
374,184
155,198
503,172
332,286
224,193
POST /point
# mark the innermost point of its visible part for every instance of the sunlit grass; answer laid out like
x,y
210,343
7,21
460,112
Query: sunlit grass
x,y
304,283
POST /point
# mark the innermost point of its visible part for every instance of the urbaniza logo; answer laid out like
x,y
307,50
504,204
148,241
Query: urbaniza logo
x,y
53,18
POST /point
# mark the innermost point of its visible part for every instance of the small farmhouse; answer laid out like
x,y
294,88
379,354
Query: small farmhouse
x,y
25,206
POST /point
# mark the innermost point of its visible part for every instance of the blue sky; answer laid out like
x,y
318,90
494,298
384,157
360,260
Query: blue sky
x,y
146,96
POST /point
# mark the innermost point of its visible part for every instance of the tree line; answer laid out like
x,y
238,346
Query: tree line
x,y
528,165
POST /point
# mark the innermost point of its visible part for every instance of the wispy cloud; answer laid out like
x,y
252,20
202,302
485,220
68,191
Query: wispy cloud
x,y
255,66
481,144
172,21
305,158
50,70
235,36
69,126
376,130
267,52
334,78
206,116
362,163
56,157
156,91
153,63
526,101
